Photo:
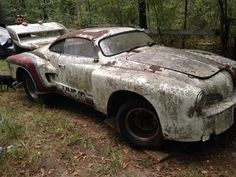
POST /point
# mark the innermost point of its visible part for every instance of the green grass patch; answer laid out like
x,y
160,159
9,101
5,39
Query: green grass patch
x,y
3,66
10,131
111,165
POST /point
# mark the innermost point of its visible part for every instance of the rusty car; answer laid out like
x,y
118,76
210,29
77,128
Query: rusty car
x,y
32,36
154,92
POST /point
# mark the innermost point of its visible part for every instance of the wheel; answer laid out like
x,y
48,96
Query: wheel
x,y
30,88
139,124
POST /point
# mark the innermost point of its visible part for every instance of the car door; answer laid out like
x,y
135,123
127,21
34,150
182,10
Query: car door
x,y
53,54
76,66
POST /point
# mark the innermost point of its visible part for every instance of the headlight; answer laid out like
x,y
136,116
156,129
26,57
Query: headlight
x,y
200,101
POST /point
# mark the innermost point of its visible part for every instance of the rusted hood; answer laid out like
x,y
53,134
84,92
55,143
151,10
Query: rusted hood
x,y
177,60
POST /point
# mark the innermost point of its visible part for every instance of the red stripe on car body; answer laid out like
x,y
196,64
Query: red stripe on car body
x,y
29,65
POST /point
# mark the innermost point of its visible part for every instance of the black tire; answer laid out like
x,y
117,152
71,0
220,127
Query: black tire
x,y
139,125
30,88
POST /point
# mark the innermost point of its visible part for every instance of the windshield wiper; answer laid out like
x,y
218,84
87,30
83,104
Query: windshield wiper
x,y
151,43
132,48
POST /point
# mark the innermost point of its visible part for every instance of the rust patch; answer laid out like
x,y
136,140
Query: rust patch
x,y
191,112
93,34
155,68
110,63
39,54
228,68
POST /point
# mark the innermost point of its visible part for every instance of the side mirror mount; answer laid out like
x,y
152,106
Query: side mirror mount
x,y
96,60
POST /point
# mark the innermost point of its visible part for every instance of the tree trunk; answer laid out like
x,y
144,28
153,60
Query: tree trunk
x,y
45,14
224,26
89,10
234,49
185,21
2,19
142,14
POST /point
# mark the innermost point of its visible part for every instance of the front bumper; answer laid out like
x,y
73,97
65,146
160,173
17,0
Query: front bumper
x,y
215,119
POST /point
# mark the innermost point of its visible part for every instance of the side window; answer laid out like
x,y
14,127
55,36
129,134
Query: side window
x,y
58,47
80,47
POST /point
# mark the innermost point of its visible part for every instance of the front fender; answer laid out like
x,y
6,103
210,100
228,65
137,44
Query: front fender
x,y
174,101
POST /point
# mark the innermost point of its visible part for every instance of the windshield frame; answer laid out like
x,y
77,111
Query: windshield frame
x,y
139,31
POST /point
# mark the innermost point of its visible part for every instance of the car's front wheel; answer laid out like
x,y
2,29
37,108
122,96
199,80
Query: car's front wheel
x,y
139,124
30,88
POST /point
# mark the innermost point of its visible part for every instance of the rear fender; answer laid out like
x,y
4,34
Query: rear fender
x,y
36,67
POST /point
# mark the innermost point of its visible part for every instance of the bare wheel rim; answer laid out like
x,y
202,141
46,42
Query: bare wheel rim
x,y
142,124
31,88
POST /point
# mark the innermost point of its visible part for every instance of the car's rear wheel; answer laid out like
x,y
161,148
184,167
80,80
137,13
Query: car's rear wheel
x,y
30,88
139,124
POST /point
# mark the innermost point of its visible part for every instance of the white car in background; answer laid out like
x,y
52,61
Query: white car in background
x,y
32,36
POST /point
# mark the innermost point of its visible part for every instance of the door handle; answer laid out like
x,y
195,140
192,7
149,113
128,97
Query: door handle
x,y
61,66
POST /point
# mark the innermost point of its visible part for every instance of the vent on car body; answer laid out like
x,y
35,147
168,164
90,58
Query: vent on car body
x,y
213,98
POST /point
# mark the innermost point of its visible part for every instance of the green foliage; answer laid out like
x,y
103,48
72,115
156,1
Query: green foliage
x,y
3,66
10,131
84,13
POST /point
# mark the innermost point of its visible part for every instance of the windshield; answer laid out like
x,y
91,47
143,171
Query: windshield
x,y
124,42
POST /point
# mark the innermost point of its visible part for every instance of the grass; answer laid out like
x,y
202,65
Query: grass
x,y
194,172
86,142
147,162
29,132
111,164
10,131
3,66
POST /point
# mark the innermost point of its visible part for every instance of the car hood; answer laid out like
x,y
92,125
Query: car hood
x,y
196,63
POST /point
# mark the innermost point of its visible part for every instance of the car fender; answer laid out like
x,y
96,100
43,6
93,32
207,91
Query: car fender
x,y
36,66
174,101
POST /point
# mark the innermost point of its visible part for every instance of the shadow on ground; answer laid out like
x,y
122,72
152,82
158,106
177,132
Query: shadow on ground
x,y
223,142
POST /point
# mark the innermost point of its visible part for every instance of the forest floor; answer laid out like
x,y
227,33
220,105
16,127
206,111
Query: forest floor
x,y
67,139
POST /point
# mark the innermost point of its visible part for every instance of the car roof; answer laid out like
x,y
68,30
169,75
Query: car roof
x,y
96,33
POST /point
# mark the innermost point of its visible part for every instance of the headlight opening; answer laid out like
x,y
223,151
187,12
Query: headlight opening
x,y
200,101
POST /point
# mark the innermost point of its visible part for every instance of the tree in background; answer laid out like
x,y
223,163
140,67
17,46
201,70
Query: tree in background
x,y
156,15
142,14
2,19
224,25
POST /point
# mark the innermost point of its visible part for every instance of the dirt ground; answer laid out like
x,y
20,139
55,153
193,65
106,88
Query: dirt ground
x,y
65,138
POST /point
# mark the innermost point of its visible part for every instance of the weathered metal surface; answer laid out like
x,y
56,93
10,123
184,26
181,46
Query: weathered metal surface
x,y
32,36
174,59
96,34
169,79
35,28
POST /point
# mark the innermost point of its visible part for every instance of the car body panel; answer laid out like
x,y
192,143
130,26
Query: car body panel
x,y
32,36
169,79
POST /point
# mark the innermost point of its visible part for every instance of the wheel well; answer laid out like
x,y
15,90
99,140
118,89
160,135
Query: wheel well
x,y
19,74
120,97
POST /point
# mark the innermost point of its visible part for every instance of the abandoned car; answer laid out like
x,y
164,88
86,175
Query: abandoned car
x,y
31,36
154,92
